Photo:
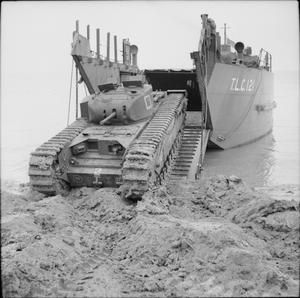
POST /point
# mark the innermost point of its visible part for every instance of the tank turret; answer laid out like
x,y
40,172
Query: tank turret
x,y
132,101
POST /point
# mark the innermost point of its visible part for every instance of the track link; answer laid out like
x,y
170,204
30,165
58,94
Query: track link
x,y
148,156
43,163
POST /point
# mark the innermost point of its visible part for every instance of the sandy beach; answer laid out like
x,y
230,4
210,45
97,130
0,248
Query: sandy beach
x,y
218,238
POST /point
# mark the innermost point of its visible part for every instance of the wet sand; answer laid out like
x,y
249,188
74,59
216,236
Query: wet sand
x,y
221,238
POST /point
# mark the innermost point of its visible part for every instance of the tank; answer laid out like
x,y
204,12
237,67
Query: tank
x,y
126,135
125,138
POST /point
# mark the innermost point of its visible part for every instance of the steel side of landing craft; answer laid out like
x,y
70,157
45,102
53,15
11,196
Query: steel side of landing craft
x,y
241,102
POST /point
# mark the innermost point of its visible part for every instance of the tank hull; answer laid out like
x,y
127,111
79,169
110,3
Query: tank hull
x,y
134,156
241,102
98,167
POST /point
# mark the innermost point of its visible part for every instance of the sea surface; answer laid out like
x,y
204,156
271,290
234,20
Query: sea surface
x,y
33,110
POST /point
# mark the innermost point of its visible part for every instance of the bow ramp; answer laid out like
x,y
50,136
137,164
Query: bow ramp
x,y
189,156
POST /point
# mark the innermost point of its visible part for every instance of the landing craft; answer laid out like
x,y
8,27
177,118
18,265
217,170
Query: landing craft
x,y
138,128
234,88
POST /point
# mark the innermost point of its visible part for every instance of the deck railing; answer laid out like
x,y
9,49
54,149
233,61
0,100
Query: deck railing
x,y
265,60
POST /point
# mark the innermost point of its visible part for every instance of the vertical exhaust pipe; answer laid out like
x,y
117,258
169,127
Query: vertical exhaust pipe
x,y
124,51
107,46
116,48
98,42
77,26
76,77
134,51
88,32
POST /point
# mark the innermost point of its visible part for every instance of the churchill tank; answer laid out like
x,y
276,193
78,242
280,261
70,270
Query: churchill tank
x,y
126,134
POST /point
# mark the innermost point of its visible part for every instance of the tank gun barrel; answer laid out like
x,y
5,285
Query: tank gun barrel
x,y
112,115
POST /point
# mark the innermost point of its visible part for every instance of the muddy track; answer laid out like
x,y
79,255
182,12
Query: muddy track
x,y
44,170
148,157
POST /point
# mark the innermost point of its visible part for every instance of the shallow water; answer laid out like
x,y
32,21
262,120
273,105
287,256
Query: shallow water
x,y
273,159
31,114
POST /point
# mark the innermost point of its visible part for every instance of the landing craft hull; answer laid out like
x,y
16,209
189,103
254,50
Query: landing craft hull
x,y
241,103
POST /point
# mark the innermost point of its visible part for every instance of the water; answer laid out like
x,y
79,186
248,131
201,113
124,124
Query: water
x,y
273,159
33,110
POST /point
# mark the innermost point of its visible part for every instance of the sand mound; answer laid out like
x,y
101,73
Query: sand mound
x,y
221,238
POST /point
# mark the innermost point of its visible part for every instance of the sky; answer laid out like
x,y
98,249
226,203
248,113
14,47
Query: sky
x,y
38,34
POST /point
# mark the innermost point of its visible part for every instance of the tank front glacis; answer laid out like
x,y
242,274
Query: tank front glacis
x,y
97,154
130,104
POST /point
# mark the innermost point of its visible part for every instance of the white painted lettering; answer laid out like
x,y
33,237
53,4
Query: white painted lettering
x,y
243,82
251,87
246,85
236,83
232,82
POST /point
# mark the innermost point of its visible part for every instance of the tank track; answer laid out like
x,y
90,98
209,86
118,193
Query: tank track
x,y
143,157
44,168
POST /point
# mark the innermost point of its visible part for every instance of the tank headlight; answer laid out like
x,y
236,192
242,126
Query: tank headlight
x,y
116,149
79,148
73,161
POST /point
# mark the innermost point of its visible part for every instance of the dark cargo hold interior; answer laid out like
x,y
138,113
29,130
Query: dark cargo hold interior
x,y
163,80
